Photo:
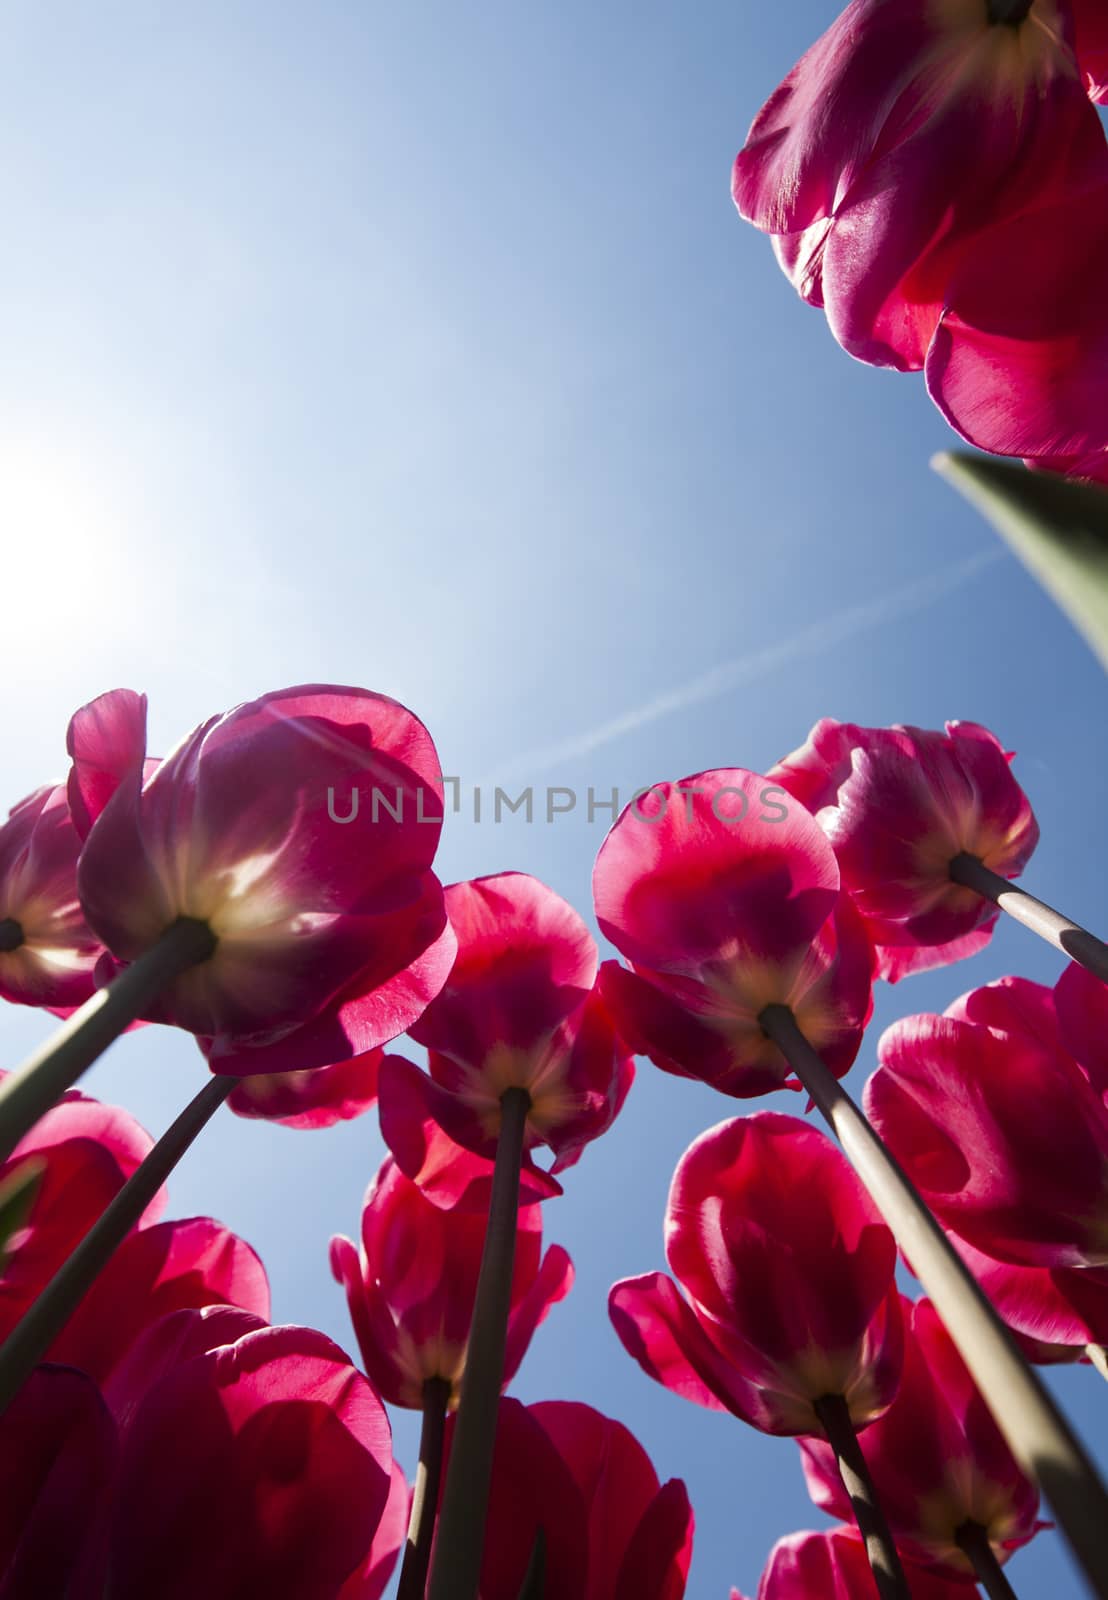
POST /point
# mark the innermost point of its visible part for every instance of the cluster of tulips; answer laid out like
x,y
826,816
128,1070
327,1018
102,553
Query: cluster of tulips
x,y
145,1393
934,176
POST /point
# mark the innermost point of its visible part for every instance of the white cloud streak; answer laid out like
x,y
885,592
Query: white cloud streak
x,y
739,671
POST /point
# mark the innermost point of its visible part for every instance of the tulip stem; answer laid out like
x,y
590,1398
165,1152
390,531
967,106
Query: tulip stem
x,y
888,1574
425,1498
456,1569
41,1324
28,1093
1037,1432
1069,937
1098,1355
973,1540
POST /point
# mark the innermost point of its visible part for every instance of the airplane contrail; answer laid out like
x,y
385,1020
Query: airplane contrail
x,y
741,670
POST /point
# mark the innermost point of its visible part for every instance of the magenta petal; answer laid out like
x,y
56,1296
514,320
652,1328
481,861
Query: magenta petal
x,y
417,1121
656,1563
658,1328
58,1454
1057,1308
533,1488
167,1343
552,1283
170,1266
371,1582
310,1099
528,982
55,963
833,1565
1022,368
264,1466
106,742
1003,1136
1081,1007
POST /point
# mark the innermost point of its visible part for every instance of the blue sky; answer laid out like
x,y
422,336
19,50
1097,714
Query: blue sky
x,y
421,348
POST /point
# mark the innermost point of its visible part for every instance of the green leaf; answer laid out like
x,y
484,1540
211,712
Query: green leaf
x,y
17,1196
534,1583
1057,526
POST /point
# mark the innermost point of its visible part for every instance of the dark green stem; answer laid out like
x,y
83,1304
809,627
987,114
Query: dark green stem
x,y
33,1335
425,1497
1037,1432
1069,937
888,1574
456,1569
28,1093
973,1540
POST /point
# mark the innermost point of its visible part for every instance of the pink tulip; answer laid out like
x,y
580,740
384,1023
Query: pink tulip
x,y
787,1302
1017,362
166,1343
370,1581
723,894
1002,1135
317,1097
48,953
58,1457
158,1270
262,1467
412,1289
610,1532
1081,1009
904,134
331,934
1055,1313
899,804
86,1152
937,1459
518,1010
833,1566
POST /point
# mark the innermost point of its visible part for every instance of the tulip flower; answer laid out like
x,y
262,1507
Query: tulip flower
x,y
91,1160
954,1496
723,894
583,1485
899,806
1017,361
316,1097
1057,1314
264,1466
411,1290
48,953
85,1152
521,1052
518,1011
411,1295
370,1581
299,830
832,1566
58,1457
785,1302
1081,1009
902,137
157,1270
1002,1134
